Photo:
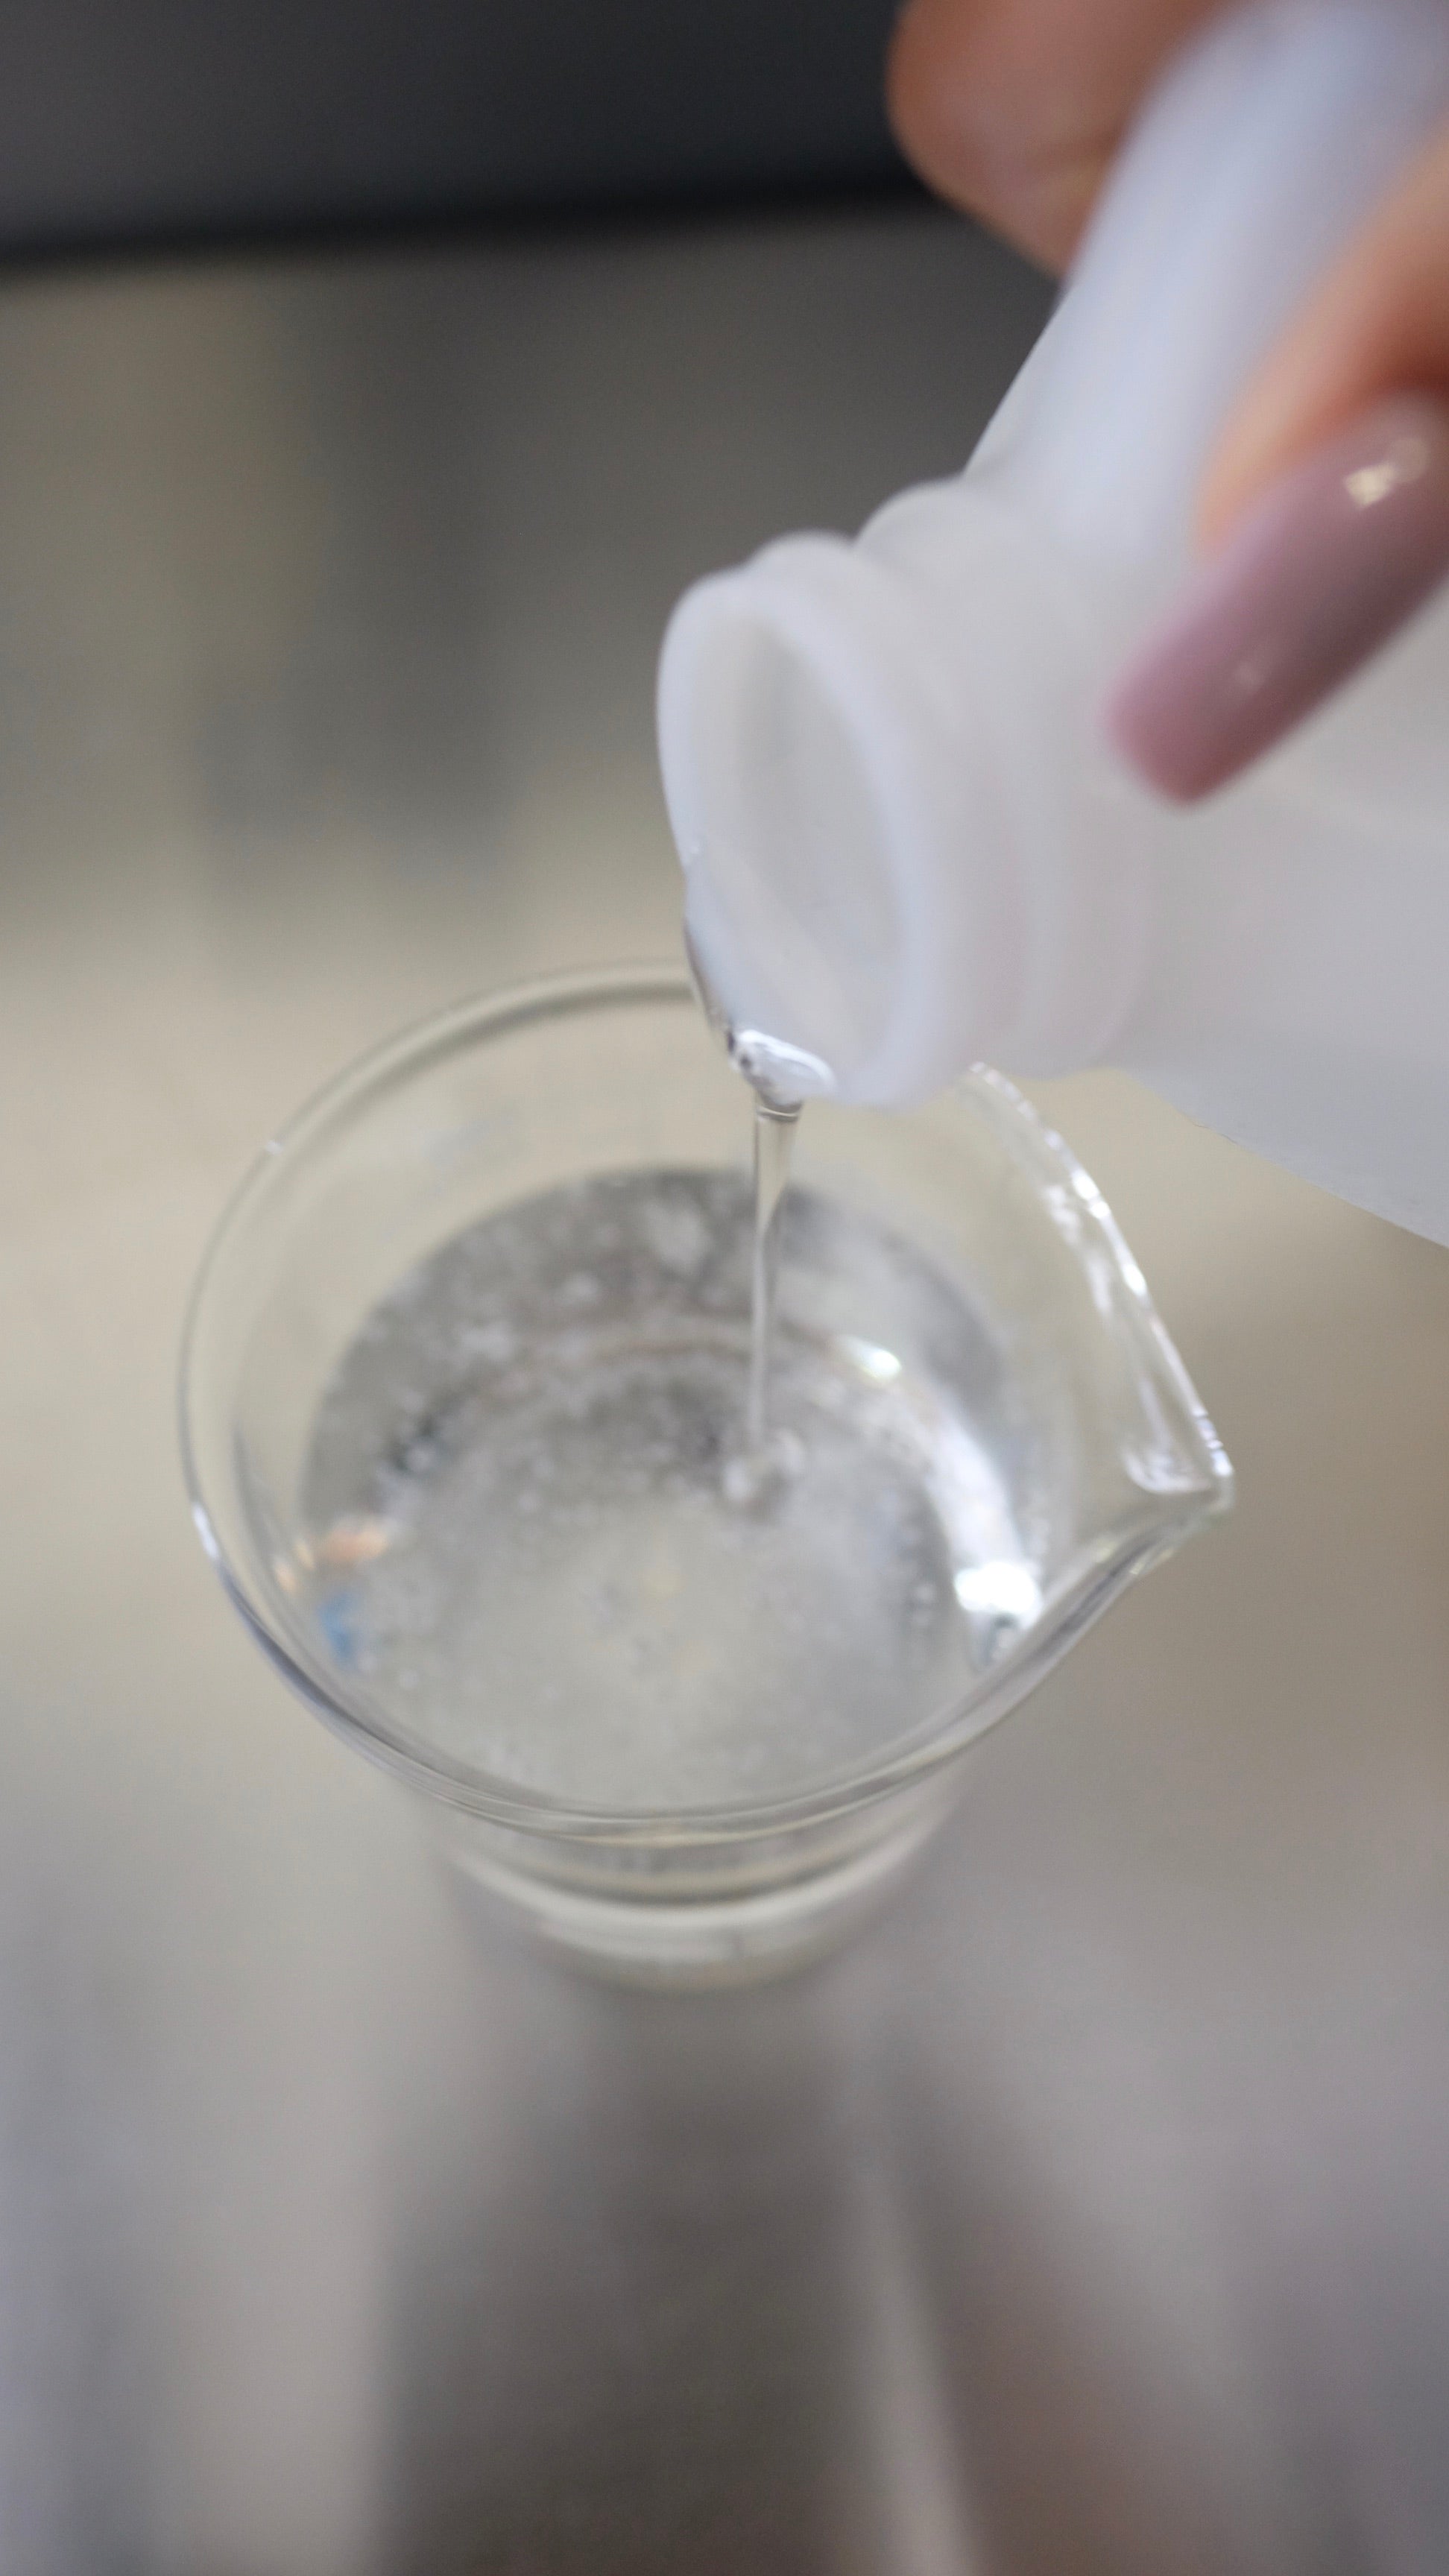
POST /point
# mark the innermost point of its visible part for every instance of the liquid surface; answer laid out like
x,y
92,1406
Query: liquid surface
x,y
525,1540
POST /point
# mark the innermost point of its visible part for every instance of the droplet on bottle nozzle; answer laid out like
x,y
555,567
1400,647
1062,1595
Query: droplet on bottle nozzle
x,y
784,1077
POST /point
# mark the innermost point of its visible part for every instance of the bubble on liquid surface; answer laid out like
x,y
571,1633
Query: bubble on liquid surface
x,y
535,1540
756,1479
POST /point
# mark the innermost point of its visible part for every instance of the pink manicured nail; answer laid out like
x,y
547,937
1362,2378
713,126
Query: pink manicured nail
x,y
1315,576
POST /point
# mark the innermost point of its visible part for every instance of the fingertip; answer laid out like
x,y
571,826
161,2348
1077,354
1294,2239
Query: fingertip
x,y
921,79
978,118
1134,731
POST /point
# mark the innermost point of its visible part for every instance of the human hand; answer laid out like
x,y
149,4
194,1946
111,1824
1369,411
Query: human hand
x,y
1324,514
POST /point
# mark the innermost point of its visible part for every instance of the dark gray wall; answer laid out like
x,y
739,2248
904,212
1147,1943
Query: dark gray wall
x,y
136,118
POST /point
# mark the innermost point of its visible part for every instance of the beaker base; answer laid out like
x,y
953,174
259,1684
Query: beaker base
x,y
693,1945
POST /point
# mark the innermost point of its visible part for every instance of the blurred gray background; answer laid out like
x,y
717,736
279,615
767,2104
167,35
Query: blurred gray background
x,y
138,119
1090,2217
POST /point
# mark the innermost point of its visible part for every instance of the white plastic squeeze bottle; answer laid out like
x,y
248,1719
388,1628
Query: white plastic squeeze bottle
x,y
907,845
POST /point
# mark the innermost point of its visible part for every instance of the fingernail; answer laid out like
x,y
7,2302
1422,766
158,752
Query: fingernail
x,y
1315,576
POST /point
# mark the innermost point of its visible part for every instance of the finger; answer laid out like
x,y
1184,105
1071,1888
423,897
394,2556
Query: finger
x,y
1317,572
1325,512
1379,322
1014,108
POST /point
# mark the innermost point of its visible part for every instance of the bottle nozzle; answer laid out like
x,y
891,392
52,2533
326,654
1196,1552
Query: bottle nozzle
x,y
781,1076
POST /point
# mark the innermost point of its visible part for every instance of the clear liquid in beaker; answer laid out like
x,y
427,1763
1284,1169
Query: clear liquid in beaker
x,y
522,1537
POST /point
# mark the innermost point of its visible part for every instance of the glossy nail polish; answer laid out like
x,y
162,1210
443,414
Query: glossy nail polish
x,y
1315,576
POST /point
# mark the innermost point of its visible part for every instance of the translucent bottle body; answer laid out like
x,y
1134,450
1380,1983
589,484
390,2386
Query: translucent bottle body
x,y
907,845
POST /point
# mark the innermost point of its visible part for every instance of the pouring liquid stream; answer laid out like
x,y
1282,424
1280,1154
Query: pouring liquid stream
x,y
782,1079
775,1127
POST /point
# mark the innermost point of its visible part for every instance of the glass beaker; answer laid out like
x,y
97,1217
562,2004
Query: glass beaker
x,y
463,1377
